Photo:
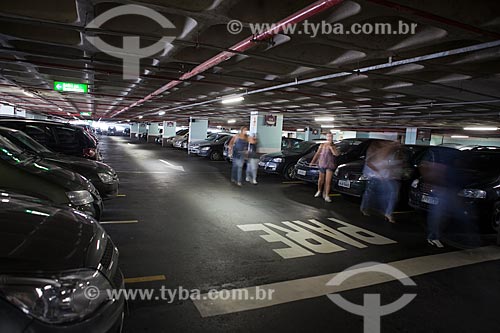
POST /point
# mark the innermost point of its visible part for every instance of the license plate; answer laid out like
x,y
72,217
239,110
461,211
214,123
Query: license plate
x,y
345,183
301,172
430,200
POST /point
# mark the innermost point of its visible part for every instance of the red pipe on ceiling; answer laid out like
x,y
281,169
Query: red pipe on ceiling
x,y
301,15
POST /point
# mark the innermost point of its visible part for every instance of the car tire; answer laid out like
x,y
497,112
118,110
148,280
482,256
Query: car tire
x,y
495,219
215,155
288,171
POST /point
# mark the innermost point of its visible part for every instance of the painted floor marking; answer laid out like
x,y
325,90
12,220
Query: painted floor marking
x,y
120,222
145,279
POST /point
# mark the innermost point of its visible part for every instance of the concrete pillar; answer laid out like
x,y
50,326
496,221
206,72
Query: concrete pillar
x,y
153,132
418,136
134,130
168,131
312,134
197,129
268,128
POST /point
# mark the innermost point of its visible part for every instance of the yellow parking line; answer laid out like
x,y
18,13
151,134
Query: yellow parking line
x,y
146,279
335,195
121,195
120,222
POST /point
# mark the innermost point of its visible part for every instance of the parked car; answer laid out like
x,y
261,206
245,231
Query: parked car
x,y
50,256
350,149
194,147
286,143
181,141
101,175
213,149
283,162
28,174
180,133
59,137
348,177
478,177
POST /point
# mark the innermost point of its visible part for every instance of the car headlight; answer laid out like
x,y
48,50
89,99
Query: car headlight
x,y
415,183
106,178
472,193
79,198
363,177
69,296
205,148
277,160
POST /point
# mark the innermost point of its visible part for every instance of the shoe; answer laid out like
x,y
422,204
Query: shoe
x,y
318,194
365,213
254,182
327,199
239,184
248,180
436,243
390,219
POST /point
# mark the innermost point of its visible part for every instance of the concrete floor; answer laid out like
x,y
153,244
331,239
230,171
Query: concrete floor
x,y
190,229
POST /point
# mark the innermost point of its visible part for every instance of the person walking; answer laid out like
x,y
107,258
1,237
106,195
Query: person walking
x,y
326,156
253,160
238,146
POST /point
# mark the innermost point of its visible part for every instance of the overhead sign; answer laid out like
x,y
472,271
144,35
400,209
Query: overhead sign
x,y
86,114
71,87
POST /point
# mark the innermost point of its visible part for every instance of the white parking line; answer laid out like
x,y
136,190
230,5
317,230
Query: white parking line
x,y
295,290
120,222
171,166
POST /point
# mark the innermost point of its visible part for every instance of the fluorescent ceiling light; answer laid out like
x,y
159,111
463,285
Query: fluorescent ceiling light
x,y
327,126
140,117
230,100
321,119
459,137
161,113
60,109
481,128
300,130
28,94
69,114
231,121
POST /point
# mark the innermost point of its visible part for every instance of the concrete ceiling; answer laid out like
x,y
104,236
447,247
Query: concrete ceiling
x,y
44,41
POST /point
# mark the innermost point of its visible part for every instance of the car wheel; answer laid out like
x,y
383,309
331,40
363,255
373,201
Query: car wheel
x,y
495,221
215,156
288,171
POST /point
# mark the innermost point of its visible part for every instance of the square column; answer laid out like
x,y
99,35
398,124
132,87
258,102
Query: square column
x,y
168,131
268,128
311,134
134,131
418,136
197,129
153,132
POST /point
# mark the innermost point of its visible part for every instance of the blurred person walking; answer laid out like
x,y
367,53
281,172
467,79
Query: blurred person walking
x,y
326,158
238,147
383,169
253,160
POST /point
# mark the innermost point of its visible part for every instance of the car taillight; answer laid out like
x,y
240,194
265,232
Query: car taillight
x,y
89,152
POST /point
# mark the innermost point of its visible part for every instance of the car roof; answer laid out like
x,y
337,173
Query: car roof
x,y
35,121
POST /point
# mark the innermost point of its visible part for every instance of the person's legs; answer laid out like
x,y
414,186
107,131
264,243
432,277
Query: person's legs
x,y
321,181
391,194
239,169
234,170
437,215
254,162
367,196
328,185
249,171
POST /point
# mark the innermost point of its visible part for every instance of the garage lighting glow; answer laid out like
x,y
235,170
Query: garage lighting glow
x,y
140,117
459,137
481,128
231,100
300,130
28,94
231,121
161,113
327,126
321,119
69,114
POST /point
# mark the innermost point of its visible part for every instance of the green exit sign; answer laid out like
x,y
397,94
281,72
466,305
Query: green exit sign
x,y
71,87
86,114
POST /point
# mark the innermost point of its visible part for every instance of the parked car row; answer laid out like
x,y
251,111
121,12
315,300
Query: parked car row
x,y
53,247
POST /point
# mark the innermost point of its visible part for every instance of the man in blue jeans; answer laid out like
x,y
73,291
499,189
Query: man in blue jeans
x,y
238,145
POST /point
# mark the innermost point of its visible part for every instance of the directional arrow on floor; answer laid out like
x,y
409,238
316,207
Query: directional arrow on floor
x,y
171,166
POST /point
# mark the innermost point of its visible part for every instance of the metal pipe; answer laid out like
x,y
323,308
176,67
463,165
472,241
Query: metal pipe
x,y
301,15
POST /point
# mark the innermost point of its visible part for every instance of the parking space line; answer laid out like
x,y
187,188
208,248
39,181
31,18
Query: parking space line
x,y
121,195
293,182
335,195
300,289
120,222
146,279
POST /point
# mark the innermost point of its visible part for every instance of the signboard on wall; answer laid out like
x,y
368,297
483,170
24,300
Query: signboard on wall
x,y
170,124
270,120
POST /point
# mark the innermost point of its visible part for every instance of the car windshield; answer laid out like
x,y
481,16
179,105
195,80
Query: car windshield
x,y
211,137
10,152
483,162
301,146
24,141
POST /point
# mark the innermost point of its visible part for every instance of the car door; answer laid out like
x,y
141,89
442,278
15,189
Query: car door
x,y
68,140
40,133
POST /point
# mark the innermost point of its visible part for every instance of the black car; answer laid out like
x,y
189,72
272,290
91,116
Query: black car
x,y
213,149
51,259
59,137
283,163
101,175
350,149
478,177
29,174
286,143
348,178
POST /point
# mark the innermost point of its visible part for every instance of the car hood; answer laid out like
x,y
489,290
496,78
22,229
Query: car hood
x,y
55,174
76,163
356,166
37,236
